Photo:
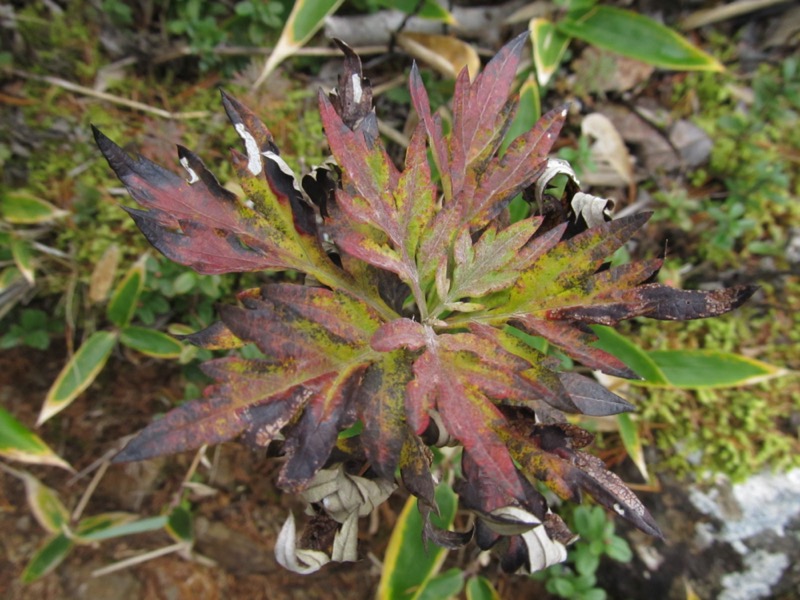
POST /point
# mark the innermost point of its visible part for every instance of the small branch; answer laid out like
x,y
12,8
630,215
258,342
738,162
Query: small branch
x,y
138,559
182,51
79,89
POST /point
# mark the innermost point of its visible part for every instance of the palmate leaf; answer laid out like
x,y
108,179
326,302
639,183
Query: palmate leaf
x,y
413,327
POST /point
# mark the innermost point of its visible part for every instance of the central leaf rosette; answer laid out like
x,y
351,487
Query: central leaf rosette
x,y
414,324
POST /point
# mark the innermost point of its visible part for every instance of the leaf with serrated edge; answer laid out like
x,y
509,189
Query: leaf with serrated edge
x,y
484,268
468,416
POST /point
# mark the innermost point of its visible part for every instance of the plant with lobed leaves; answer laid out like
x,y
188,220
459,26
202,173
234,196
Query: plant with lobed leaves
x,y
409,318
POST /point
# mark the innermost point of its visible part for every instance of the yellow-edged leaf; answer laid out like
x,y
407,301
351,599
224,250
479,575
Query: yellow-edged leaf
x,y
23,209
406,565
17,442
635,35
78,373
45,505
123,301
151,342
549,46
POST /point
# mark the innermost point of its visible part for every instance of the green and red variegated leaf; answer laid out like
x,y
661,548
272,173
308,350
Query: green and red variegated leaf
x,y
479,117
214,337
380,404
304,324
219,418
365,166
329,410
198,222
415,195
571,262
576,342
433,130
483,267
443,380
519,167
544,383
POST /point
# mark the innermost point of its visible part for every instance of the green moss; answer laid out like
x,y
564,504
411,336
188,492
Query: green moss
x,y
751,178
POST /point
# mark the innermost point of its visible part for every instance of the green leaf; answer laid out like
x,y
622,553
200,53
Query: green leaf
x,y
632,355
480,588
179,524
23,258
586,561
619,550
44,504
704,369
79,373
529,111
94,531
123,301
442,587
629,433
151,342
561,586
306,18
93,528
407,566
47,558
19,443
637,36
23,209
549,46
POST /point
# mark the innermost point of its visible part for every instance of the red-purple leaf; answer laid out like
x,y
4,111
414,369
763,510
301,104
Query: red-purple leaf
x,y
477,107
576,343
518,168
433,129
400,333
467,414
224,414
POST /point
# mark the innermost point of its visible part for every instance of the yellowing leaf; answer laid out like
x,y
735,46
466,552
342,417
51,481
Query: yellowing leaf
x,y
549,46
45,504
19,443
23,258
103,274
446,54
23,209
